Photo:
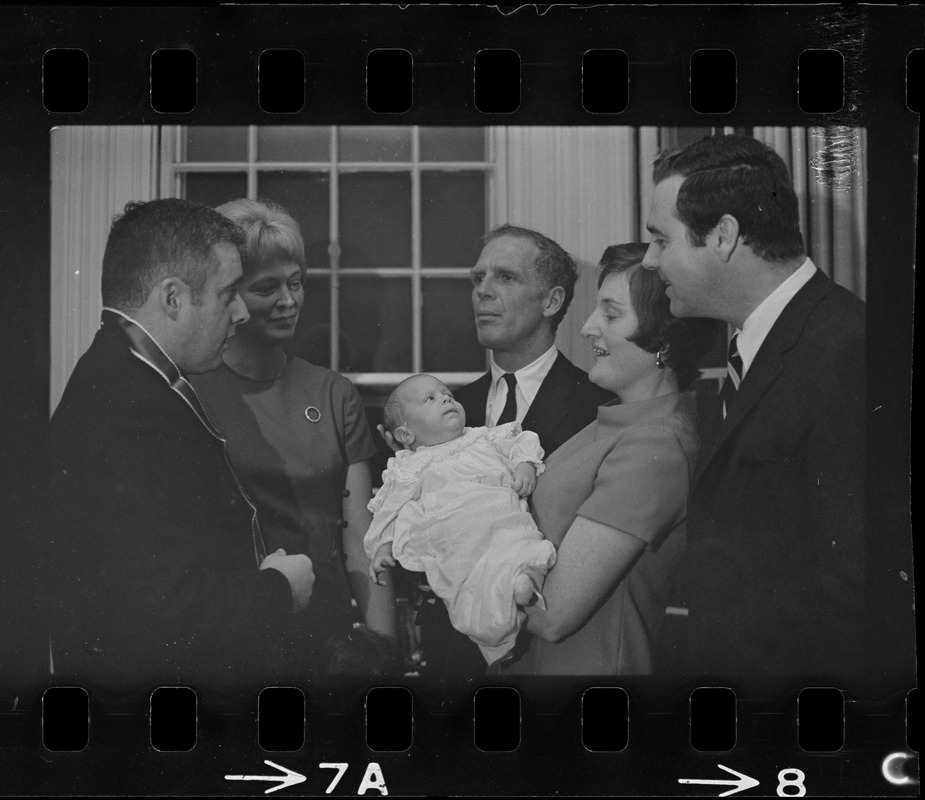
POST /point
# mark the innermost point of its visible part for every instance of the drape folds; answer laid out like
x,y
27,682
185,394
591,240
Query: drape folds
x,y
95,171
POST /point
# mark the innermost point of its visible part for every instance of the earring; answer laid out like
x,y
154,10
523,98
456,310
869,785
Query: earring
x,y
658,358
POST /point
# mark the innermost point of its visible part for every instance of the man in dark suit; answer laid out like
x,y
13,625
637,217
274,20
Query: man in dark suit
x,y
523,283
776,552
160,568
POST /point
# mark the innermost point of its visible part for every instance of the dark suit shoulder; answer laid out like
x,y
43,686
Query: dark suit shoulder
x,y
565,371
473,397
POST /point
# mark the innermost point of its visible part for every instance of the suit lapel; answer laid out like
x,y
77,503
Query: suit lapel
x,y
768,363
550,406
474,399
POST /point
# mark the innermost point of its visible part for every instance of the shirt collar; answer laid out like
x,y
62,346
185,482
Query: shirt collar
x,y
150,350
145,348
530,377
759,323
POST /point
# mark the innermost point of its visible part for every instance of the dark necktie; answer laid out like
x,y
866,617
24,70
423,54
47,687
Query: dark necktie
x,y
509,413
733,375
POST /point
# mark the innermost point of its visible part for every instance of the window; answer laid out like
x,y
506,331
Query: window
x,y
391,218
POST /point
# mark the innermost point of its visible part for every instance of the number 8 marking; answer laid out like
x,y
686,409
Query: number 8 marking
x,y
796,782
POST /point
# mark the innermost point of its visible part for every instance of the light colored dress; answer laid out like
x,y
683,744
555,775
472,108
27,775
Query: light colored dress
x,y
629,470
450,511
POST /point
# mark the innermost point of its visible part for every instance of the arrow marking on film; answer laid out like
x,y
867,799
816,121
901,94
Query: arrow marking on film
x,y
290,778
744,782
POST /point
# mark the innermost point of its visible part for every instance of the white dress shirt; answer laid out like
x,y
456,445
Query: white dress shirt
x,y
529,380
759,323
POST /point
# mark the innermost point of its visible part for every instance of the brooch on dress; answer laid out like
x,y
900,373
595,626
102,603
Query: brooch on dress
x,y
312,414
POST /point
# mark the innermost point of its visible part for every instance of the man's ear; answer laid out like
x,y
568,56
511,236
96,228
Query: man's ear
x,y
171,294
555,298
727,236
403,435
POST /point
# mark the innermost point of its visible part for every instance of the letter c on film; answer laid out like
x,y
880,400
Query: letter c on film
x,y
892,770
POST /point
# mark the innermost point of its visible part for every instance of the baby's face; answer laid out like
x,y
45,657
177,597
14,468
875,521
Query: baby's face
x,y
429,411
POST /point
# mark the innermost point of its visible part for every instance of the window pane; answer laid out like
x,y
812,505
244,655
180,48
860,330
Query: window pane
x,y
452,144
305,196
294,143
452,218
449,340
374,143
312,339
375,220
214,188
375,315
214,143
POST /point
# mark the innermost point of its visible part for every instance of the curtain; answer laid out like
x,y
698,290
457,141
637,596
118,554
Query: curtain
x,y
579,185
829,168
95,171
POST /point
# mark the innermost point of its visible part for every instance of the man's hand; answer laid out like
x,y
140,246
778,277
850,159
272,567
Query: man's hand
x,y
389,439
524,478
298,571
382,560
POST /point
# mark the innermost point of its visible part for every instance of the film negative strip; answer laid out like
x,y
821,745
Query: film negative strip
x,y
442,122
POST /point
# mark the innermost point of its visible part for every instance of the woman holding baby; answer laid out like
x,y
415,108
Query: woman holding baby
x,y
613,498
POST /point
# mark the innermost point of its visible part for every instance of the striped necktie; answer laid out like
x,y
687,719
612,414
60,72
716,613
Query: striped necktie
x,y
509,412
733,375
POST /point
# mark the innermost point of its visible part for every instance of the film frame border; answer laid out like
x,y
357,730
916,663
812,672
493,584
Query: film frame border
x,y
548,41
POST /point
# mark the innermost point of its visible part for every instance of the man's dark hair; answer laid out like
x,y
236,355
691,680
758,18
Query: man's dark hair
x,y
685,341
737,175
160,239
553,265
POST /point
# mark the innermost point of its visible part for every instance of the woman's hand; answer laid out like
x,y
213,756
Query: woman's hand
x,y
524,479
376,600
388,439
591,560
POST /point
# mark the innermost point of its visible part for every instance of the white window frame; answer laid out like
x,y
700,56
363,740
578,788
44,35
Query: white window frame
x,y
174,166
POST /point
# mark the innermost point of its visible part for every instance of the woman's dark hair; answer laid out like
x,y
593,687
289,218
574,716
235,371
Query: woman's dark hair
x,y
683,341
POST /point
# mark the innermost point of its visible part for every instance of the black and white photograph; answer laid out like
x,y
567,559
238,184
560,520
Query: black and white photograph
x,y
543,428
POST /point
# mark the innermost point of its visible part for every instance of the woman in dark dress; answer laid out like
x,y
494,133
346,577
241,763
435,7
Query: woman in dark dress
x,y
298,438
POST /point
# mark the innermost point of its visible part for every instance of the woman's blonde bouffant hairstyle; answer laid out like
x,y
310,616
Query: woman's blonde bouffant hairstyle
x,y
270,233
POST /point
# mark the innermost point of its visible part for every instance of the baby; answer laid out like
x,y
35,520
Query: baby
x,y
451,505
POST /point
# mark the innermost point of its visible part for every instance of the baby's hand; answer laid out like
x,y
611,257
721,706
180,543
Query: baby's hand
x,y
524,479
382,560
